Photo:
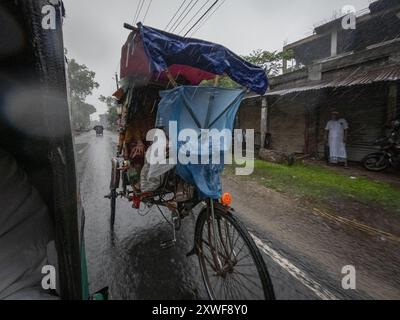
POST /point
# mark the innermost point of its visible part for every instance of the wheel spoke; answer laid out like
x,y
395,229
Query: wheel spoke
x,y
247,255
238,254
235,289
206,258
248,279
243,286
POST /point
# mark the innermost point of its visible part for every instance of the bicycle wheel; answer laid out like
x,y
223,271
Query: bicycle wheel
x,y
113,200
233,269
114,185
376,162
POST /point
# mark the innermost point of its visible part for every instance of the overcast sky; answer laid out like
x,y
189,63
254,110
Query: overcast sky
x,y
94,34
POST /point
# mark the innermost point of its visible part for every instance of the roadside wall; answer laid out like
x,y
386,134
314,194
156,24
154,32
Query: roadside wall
x,y
297,121
249,117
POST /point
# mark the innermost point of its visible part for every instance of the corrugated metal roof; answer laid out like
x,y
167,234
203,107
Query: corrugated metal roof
x,y
297,89
391,73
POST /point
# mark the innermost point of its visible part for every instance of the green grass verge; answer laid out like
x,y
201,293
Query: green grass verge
x,y
315,182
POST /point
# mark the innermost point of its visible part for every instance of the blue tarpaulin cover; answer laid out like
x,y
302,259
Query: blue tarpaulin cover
x,y
200,108
165,49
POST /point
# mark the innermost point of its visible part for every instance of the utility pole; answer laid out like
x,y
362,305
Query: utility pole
x,y
264,121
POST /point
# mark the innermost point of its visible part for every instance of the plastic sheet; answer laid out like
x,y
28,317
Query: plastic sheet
x,y
199,108
165,49
148,53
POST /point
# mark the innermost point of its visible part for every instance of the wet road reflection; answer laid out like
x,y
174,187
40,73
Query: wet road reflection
x,y
130,261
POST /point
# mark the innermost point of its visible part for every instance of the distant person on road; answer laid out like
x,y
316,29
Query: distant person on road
x,y
336,138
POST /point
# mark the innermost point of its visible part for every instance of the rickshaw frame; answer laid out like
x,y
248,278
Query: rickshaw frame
x,y
213,212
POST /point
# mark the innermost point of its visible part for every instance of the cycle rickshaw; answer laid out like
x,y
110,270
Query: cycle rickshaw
x,y
162,71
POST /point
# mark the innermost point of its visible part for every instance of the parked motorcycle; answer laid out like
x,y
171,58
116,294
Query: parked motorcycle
x,y
388,157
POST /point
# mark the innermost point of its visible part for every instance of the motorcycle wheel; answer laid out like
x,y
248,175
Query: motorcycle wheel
x,y
376,162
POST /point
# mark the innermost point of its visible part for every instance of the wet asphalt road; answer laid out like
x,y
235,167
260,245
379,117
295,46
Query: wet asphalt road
x,y
132,264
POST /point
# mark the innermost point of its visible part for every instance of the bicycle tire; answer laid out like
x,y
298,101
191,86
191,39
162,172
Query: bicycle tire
x,y
228,215
113,201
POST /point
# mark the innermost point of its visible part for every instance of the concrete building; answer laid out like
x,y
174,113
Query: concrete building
x,y
353,71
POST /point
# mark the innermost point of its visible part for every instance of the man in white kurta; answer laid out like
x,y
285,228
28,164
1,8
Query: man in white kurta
x,y
336,137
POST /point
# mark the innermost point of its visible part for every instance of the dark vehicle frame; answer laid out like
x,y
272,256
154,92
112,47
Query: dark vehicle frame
x,y
44,148
388,157
99,131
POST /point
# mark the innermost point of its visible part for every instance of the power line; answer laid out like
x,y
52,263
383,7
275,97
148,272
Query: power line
x,y
201,18
180,16
136,12
184,14
207,18
139,11
176,13
194,16
187,13
147,11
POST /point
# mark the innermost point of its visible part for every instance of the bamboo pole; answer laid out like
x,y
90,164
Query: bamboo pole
x,y
171,78
216,81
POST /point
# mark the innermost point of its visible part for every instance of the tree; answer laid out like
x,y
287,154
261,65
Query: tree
x,y
112,114
82,83
223,82
81,112
271,62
